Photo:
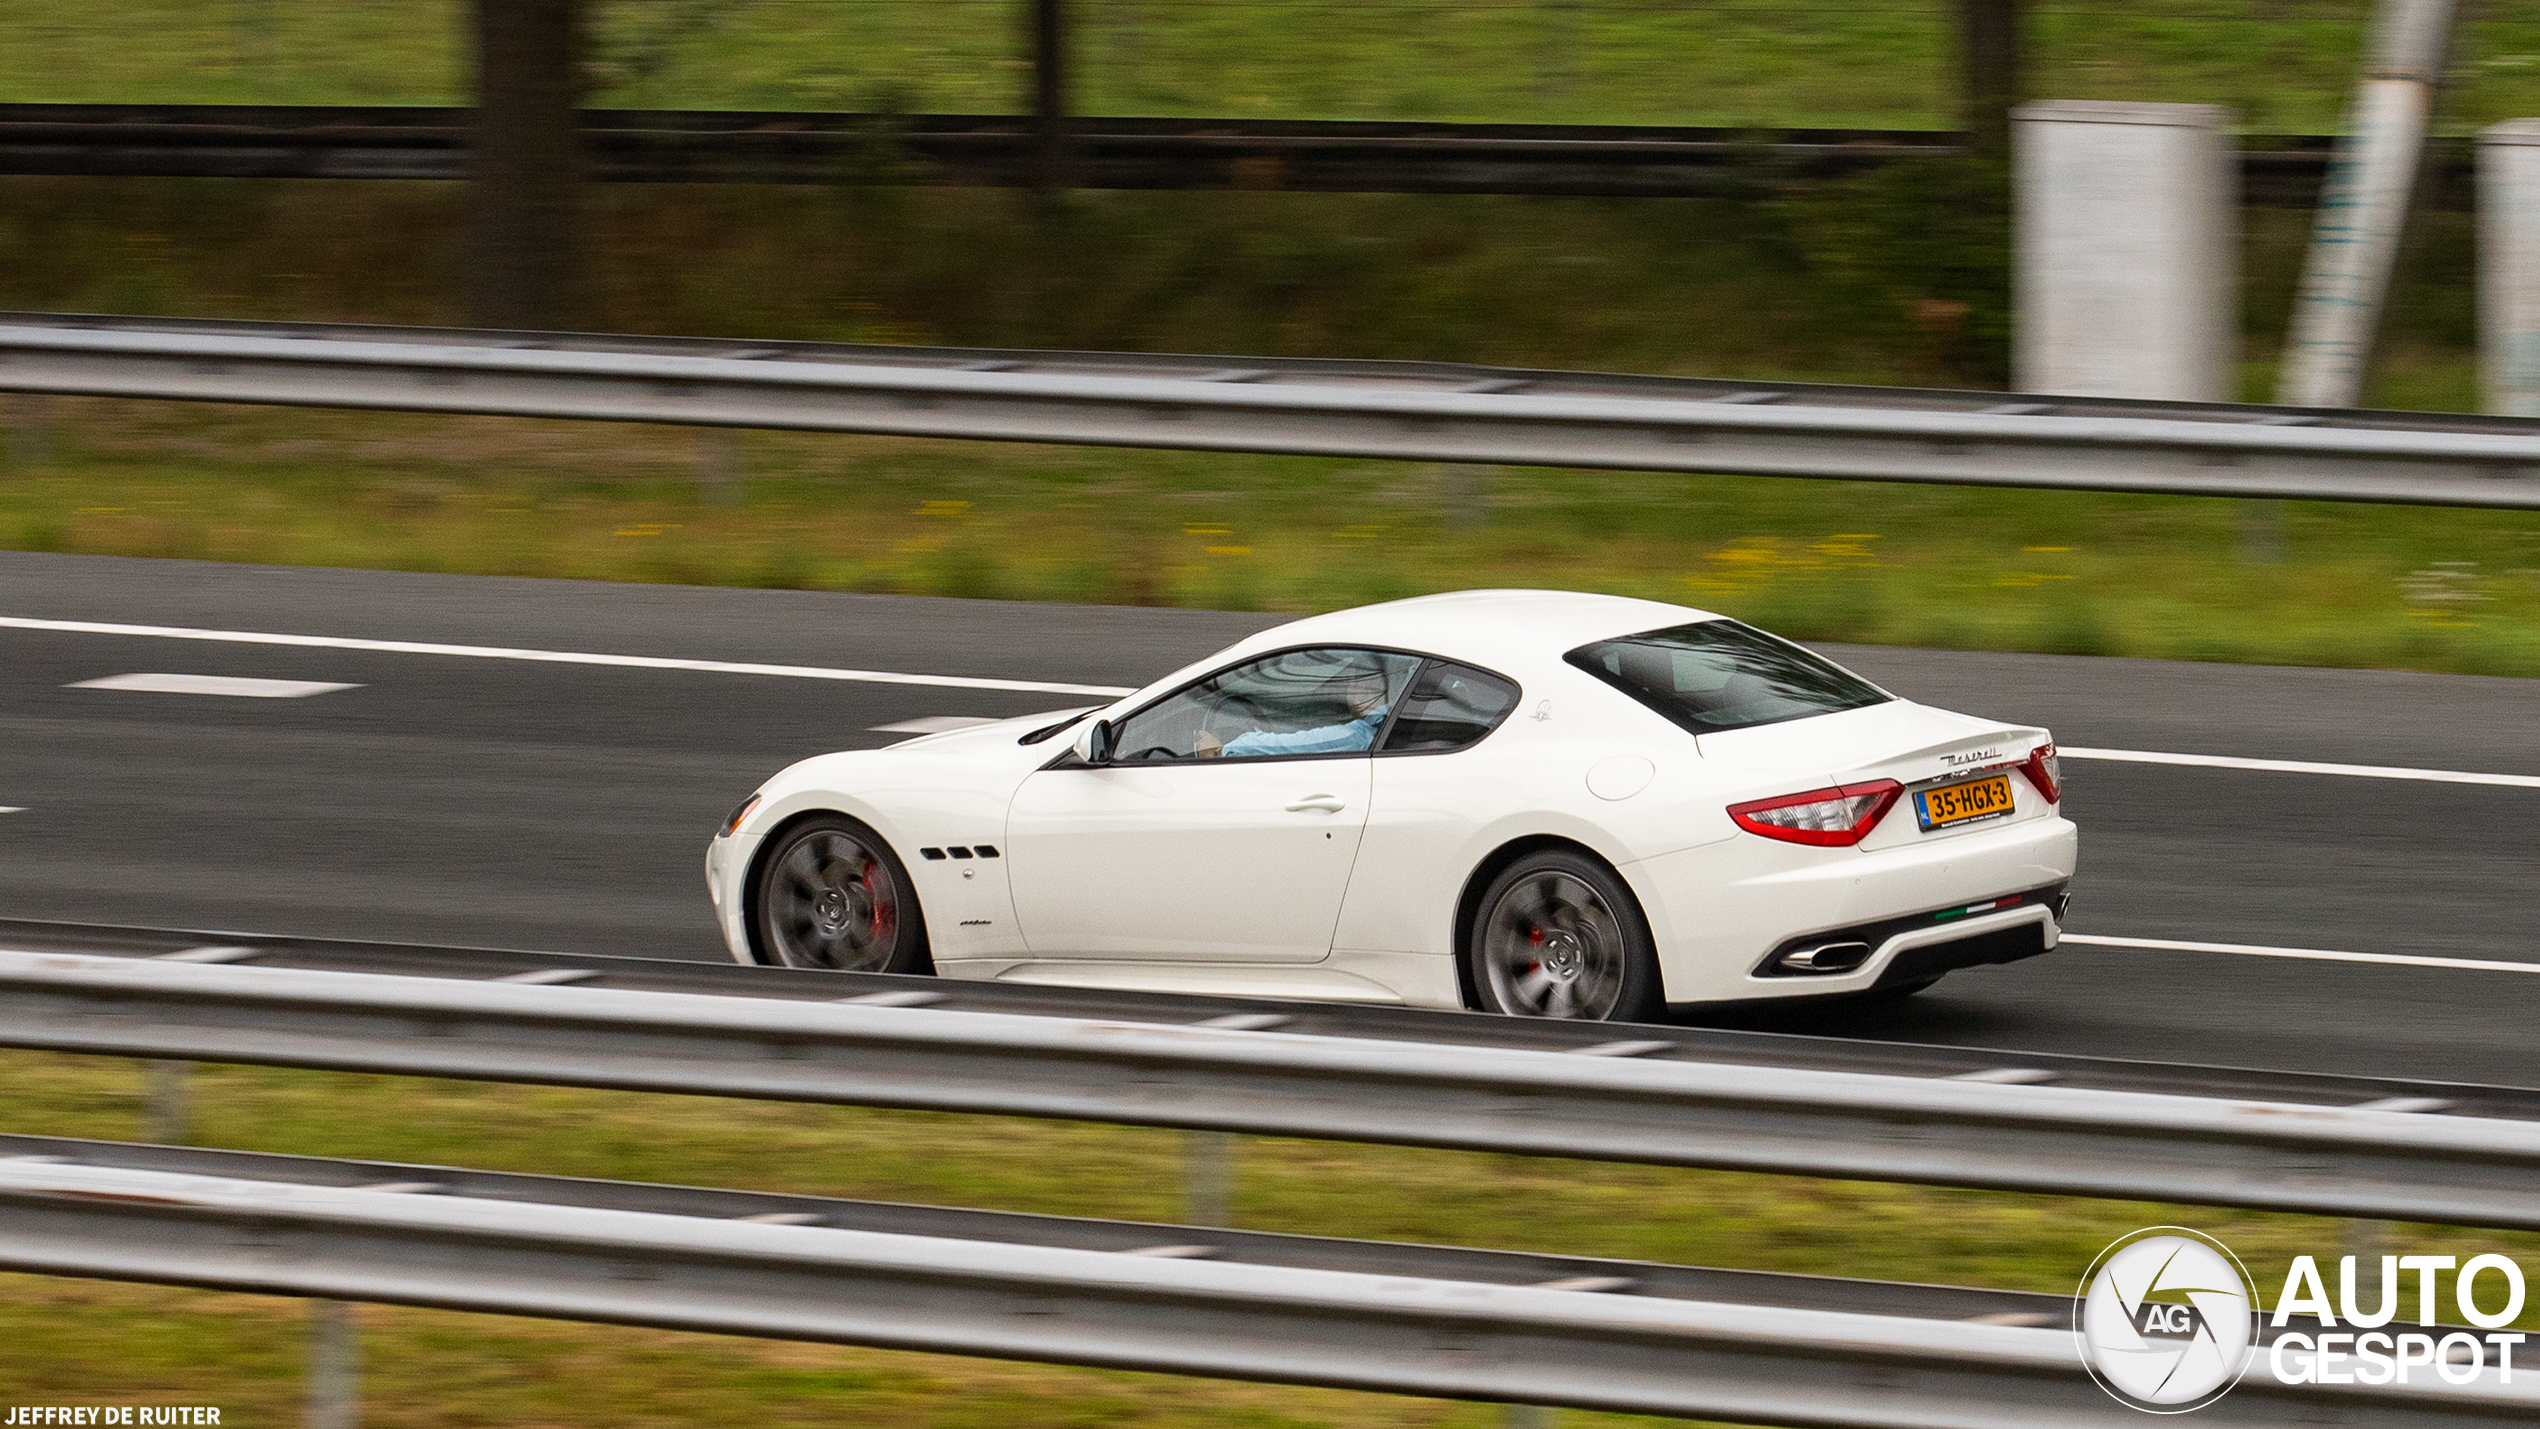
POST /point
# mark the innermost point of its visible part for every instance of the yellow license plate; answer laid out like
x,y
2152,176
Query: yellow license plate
x,y
1963,803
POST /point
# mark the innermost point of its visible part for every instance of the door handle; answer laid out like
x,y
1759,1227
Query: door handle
x,y
1318,804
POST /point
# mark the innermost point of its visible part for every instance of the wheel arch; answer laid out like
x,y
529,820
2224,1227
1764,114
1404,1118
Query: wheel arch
x,y
774,838
1468,902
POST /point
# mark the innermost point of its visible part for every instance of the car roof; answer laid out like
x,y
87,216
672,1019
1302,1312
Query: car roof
x,y
1487,627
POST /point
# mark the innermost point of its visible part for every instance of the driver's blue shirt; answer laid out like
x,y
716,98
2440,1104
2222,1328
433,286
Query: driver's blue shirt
x,y
1349,738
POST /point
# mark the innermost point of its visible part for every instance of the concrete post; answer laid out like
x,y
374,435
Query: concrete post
x,y
2126,239
2509,267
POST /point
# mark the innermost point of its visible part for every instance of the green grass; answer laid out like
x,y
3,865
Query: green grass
x,y
2285,64
2076,573
82,1342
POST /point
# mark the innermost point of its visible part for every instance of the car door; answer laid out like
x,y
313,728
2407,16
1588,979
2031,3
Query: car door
x,y
1224,826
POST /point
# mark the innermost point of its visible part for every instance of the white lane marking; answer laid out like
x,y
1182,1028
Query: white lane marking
x,y
931,724
2300,766
552,657
236,685
2324,955
12,808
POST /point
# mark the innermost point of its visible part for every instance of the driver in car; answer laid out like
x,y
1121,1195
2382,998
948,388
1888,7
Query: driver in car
x,y
1368,709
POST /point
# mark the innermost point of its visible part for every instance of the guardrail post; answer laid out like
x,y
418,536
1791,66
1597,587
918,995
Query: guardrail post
x,y
30,419
719,470
2258,531
335,1366
1465,493
164,1106
1208,1170
1049,93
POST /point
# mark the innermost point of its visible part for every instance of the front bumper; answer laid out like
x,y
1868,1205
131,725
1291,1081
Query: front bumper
x,y
727,865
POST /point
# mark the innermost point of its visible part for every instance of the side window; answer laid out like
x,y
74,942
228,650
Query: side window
x,y
1449,707
1327,701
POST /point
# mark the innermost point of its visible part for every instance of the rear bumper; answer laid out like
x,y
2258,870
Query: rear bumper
x,y
1725,914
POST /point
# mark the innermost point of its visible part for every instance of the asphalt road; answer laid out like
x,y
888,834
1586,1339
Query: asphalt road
x,y
518,804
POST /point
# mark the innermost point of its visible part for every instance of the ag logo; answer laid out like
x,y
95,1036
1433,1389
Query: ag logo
x,y
2164,1322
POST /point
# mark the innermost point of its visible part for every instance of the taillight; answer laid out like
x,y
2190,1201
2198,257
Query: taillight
x,y
2042,771
1835,818
732,825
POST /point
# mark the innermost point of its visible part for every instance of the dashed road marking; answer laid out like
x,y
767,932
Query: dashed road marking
x,y
239,686
932,724
551,657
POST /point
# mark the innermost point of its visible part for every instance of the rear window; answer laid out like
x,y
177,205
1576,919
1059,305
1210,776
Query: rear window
x,y
1715,675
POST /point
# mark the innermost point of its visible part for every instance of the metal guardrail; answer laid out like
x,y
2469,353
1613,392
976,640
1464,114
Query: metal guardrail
x,y
1729,1037
2373,1161
1567,1343
743,146
1408,411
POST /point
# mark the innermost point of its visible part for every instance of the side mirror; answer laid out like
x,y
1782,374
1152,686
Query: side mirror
x,y
1095,743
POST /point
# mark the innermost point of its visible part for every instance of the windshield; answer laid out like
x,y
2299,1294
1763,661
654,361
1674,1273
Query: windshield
x,y
1717,675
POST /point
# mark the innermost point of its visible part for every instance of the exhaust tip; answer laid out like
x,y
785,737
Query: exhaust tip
x,y
1826,958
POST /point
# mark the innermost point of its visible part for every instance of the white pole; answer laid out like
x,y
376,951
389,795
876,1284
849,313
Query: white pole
x,y
2363,208
2509,267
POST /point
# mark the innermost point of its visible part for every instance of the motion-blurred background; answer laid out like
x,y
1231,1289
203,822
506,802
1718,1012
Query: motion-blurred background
x,y
1767,189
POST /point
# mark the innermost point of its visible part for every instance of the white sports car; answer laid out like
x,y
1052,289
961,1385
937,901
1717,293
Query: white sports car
x,y
1530,802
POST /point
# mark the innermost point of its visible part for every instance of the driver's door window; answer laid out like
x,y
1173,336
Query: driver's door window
x,y
1301,702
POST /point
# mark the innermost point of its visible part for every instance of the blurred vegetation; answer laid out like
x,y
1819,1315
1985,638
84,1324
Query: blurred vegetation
x,y
73,1341
1892,276
2284,64
2075,573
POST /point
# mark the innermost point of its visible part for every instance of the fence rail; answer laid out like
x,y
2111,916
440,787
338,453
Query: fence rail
x,y
1408,411
2375,1161
730,146
1748,1362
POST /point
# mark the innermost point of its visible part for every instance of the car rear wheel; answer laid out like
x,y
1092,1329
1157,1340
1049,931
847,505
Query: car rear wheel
x,y
831,894
1560,936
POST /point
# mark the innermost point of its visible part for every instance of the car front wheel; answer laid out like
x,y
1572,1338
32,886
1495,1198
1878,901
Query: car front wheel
x,y
1560,936
831,894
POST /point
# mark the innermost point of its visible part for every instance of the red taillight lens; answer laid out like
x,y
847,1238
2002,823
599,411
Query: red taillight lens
x,y
2043,772
1835,818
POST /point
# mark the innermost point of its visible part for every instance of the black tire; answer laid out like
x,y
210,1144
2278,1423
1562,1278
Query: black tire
x,y
829,893
1557,934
